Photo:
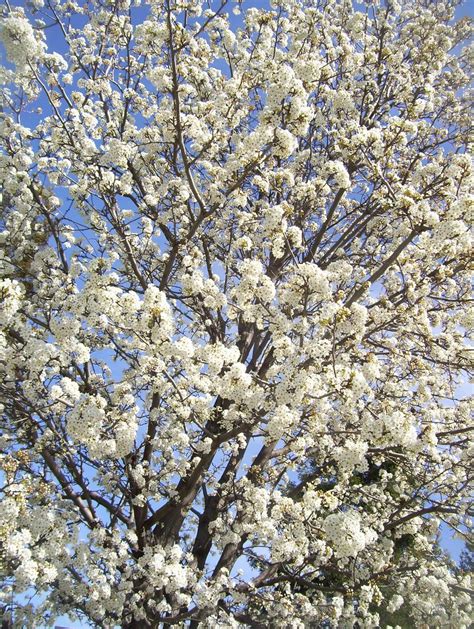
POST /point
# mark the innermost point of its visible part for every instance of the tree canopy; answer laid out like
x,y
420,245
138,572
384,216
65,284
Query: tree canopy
x,y
235,268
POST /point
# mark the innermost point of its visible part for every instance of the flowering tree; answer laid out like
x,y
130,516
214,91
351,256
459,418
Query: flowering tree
x,y
235,304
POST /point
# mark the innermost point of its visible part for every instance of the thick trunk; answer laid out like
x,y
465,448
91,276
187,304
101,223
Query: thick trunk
x,y
137,624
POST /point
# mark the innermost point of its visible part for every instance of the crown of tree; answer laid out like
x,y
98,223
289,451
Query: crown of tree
x,y
235,305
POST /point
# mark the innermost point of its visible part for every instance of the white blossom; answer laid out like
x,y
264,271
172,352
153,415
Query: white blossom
x,y
234,313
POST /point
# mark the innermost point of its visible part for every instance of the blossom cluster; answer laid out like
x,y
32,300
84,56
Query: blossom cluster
x,y
235,275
